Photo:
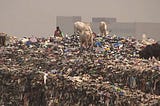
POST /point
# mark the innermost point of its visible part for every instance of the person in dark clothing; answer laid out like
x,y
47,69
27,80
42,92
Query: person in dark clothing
x,y
58,32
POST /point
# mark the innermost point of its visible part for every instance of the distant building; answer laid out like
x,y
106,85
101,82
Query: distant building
x,y
123,29
105,19
66,23
136,29
152,30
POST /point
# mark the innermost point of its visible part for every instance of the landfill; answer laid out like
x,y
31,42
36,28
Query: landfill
x,y
56,72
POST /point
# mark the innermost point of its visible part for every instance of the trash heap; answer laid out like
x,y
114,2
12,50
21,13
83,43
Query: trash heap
x,y
57,73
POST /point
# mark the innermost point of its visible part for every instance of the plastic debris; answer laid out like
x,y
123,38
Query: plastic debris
x,y
55,72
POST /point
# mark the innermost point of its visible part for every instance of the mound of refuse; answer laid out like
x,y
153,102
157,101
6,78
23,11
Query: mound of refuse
x,y
56,73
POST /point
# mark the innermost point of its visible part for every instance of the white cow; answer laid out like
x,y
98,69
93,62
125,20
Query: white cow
x,y
103,28
86,39
81,27
85,34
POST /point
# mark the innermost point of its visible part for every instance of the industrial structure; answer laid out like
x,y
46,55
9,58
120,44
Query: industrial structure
x,y
135,29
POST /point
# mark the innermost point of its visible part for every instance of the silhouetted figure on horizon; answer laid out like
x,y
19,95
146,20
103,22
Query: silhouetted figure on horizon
x,y
58,32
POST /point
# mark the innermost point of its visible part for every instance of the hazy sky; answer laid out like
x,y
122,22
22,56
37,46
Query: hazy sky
x,y
26,17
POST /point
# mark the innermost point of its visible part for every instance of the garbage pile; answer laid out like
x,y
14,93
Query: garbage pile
x,y
56,73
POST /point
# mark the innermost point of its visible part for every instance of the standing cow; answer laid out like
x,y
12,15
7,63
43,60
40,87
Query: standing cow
x,y
103,28
85,34
86,39
80,27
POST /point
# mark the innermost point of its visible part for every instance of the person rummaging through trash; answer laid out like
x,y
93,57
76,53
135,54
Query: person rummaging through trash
x,y
58,32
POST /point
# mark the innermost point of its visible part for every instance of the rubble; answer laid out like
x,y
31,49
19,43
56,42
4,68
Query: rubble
x,y
56,73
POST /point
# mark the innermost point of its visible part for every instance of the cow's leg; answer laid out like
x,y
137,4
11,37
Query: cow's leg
x,y
91,43
82,46
81,49
86,44
75,30
104,33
